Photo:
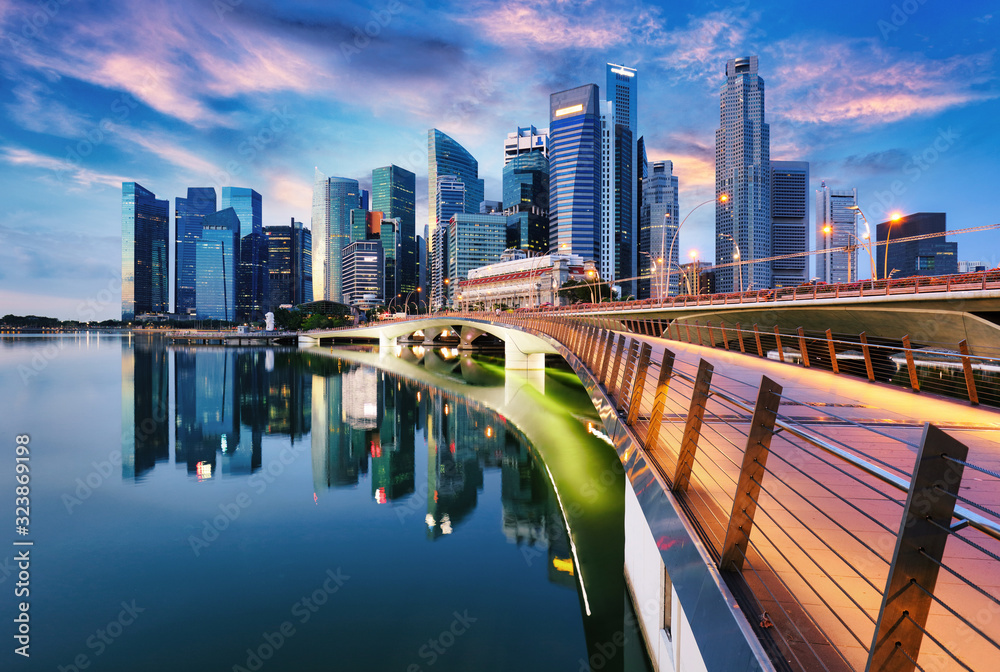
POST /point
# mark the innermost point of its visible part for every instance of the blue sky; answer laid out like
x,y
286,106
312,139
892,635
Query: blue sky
x,y
250,93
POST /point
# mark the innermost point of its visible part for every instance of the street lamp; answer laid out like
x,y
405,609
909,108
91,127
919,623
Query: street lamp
x,y
868,237
406,304
851,248
663,233
590,274
721,199
736,256
894,217
694,271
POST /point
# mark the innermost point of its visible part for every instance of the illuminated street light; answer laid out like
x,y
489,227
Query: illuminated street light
x,y
736,256
868,237
721,199
894,217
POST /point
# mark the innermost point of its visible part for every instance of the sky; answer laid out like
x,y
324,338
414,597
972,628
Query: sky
x,y
898,99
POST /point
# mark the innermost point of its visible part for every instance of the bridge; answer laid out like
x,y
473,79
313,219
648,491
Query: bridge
x,y
779,517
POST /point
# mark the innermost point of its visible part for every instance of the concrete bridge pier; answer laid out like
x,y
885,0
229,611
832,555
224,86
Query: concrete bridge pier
x,y
515,358
469,334
516,382
386,341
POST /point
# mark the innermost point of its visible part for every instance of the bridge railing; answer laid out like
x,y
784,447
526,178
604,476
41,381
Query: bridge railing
x,y
841,551
941,368
982,280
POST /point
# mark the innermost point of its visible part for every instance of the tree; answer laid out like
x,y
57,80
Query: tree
x,y
288,320
584,292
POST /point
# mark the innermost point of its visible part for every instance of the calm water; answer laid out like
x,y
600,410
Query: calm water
x,y
228,509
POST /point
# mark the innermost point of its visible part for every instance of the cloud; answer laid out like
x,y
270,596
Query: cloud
x,y
890,160
859,82
699,50
61,167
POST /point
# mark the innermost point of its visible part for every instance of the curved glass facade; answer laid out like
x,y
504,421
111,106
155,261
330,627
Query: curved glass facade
x,y
145,253
188,215
333,200
575,172
447,157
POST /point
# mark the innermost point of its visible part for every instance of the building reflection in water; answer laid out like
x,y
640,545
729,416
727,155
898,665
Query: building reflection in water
x,y
209,406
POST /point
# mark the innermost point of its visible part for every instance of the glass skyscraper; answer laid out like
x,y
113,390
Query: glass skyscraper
x,y
619,154
450,198
526,201
835,227
188,214
217,258
333,200
743,175
657,229
447,157
394,192
145,252
473,241
575,172
790,223
251,286
289,263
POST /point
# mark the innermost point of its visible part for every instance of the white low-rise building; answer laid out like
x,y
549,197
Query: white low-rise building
x,y
521,282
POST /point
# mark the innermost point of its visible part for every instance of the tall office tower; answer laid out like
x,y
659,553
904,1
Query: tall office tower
x,y
388,233
658,229
743,176
188,214
447,157
641,173
451,195
931,256
363,274
394,193
789,223
333,200
422,265
289,264
145,252
251,284
473,241
575,172
835,226
217,260
359,224
619,137
526,201
526,139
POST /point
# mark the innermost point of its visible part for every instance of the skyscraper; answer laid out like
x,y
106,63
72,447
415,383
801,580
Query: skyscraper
x,y
575,172
333,200
394,192
657,229
251,286
447,157
931,256
473,241
188,214
217,260
641,172
145,252
525,139
835,225
789,222
289,264
450,197
743,175
619,152
363,273
526,201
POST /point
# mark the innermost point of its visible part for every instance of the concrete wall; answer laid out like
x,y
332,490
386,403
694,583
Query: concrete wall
x,y
669,641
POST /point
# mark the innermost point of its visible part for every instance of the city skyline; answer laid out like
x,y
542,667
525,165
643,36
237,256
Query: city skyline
x,y
237,94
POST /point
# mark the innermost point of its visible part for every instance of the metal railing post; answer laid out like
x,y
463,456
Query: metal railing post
x,y
660,400
802,348
970,382
777,339
756,335
620,393
638,384
923,534
700,342
910,366
833,351
609,382
725,339
711,334
739,337
765,413
868,356
687,328
607,355
692,428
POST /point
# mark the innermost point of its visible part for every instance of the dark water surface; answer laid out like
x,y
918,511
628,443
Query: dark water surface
x,y
224,509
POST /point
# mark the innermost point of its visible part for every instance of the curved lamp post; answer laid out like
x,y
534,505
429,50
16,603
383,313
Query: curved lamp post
x,y
722,198
893,218
593,273
867,247
868,237
737,257
406,304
